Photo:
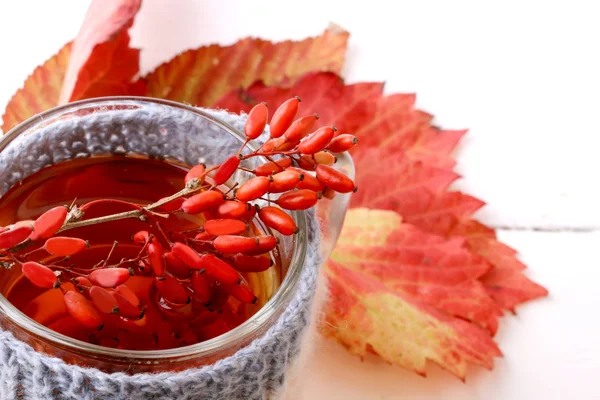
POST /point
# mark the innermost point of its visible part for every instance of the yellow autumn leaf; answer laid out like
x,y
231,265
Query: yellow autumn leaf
x,y
408,296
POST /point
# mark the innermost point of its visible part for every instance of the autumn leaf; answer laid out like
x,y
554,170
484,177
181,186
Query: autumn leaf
x,y
447,272
389,122
449,214
506,283
417,156
402,184
438,270
408,296
202,76
102,63
419,193
40,91
98,63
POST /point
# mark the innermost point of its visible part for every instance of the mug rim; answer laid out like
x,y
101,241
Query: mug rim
x,y
238,336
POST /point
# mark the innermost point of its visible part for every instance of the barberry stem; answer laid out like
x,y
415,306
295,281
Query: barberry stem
x,y
192,187
274,153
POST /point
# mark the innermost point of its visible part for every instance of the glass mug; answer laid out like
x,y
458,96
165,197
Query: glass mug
x,y
175,133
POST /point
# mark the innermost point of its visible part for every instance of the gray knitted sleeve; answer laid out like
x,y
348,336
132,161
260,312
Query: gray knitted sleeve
x,y
254,372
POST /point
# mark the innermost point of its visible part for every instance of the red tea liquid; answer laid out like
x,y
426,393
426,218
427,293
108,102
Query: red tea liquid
x,y
139,181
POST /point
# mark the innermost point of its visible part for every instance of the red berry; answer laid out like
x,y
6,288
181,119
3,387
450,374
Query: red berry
x,y
284,116
307,163
201,287
28,223
219,269
83,312
49,223
127,308
285,146
67,286
323,158
156,257
253,189
187,255
265,244
82,284
309,182
172,205
277,219
218,227
329,193
14,236
273,144
244,263
343,143
202,202
40,275
83,281
284,181
177,267
195,172
271,167
250,214
141,237
104,300
301,127
226,170
310,162
246,245
298,199
233,209
256,122
235,244
65,246
241,292
204,236
317,141
127,293
109,277
211,214
335,179
172,290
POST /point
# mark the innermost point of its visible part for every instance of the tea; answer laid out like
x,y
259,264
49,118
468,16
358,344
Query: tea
x,y
173,312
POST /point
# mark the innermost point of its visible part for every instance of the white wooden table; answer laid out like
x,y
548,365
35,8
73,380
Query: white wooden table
x,y
523,75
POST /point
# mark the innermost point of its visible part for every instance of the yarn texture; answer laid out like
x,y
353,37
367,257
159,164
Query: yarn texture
x,y
256,371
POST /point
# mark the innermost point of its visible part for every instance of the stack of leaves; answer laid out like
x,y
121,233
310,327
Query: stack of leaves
x,y
414,277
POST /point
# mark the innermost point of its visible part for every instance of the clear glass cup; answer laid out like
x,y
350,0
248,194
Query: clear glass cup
x,y
158,129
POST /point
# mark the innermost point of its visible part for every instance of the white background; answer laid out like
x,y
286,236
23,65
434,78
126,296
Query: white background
x,y
524,76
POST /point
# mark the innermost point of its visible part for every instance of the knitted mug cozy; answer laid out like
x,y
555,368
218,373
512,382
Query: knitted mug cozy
x,y
253,372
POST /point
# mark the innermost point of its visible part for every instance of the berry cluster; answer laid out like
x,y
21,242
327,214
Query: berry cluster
x,y
203,266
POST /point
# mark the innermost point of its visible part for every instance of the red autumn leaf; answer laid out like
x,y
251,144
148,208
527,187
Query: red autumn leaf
x,y
368,275
98,63
40,91
446,272
401,184
202,76
390,122
448,214
418,158
418,194
407,295
505,283
102,63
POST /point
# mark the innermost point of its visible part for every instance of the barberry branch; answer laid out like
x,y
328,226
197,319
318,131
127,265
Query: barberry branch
x,y
192,268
